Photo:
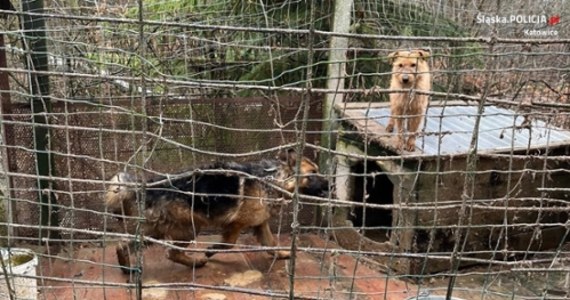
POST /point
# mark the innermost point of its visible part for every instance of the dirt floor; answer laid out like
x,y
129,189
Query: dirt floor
x,y
90,272
93,274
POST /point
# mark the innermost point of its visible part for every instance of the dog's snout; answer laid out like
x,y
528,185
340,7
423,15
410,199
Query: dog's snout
x,y
405,78
317,186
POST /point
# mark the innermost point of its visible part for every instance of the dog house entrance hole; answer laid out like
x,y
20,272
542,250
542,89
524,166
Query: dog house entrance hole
x,y
371,185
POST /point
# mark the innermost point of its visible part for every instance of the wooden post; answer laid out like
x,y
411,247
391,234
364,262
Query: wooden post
x,y
335,73
8,162
36,48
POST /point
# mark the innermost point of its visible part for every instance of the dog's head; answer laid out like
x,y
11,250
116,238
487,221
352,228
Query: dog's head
x,y
408,65
120,198
311,182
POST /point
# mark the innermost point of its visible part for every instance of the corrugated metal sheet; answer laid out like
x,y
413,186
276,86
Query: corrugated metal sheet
x,y
497,131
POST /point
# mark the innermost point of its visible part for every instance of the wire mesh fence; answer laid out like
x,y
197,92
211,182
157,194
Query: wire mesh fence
x,y
479,210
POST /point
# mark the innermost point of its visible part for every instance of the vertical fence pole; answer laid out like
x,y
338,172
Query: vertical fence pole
x,y
301,138
141,51
336,70
7,139
37,61
335,74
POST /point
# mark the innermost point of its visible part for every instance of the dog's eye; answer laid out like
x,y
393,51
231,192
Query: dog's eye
x,y
413,65
400,65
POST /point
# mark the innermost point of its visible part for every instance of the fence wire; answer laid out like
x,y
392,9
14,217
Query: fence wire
x,y
154,88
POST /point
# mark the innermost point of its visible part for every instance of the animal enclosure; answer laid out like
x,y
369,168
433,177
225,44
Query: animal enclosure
x,y
479,210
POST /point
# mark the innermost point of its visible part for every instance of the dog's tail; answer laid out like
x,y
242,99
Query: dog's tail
x,y
120,197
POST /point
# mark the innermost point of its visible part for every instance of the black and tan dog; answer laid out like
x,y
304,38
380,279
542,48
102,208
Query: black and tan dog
x,y
230,196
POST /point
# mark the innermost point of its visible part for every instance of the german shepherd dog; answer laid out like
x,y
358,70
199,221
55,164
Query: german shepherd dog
x,y
230,196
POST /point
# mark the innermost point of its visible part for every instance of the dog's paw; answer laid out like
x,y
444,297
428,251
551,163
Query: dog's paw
x,y
210,253
410,146
282,254
200,262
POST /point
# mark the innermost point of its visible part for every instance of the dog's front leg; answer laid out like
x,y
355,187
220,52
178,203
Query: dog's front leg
x,y
265,238
123,257
414,124
394,113
400,121
396,110
229,238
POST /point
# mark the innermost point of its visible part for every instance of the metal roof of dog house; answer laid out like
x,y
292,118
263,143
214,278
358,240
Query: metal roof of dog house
x,y
449,128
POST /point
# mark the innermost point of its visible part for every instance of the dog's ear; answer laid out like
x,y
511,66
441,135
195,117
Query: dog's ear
x,y
423,53
288,157
392,56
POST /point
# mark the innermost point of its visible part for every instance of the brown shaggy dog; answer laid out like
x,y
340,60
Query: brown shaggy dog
x,y
230,196
410,70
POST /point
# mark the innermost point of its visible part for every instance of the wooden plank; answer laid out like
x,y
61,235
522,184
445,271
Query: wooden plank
x,y
371,131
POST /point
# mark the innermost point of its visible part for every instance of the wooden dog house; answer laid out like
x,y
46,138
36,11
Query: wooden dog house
x,y
425,204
